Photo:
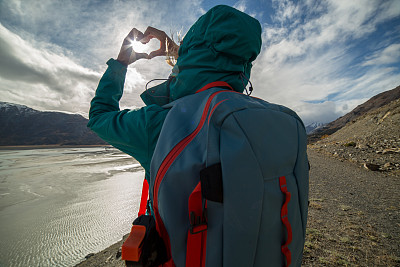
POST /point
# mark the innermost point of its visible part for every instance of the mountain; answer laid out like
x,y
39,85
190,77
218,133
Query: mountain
x,y
314,126
21,125
373,103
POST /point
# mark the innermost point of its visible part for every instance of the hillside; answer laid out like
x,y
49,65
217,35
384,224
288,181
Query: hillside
x,y
372,139
375,102
22,125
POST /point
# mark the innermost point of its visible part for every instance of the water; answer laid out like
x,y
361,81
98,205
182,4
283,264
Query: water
x,y
58,205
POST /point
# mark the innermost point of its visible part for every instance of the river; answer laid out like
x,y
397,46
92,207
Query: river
x,y
59,205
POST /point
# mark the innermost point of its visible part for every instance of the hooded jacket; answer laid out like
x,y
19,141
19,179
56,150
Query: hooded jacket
x,y
220,46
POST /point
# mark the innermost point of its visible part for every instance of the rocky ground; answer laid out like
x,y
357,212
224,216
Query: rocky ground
x,y
353,216
109,257
372,141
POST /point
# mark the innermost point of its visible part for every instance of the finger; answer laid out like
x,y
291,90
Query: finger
x,y
139,36
147,36
129,38
134,33
126,41
142,55
151,33
157,53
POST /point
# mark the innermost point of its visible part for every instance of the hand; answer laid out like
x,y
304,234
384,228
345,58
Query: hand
x,y
127,55
166,44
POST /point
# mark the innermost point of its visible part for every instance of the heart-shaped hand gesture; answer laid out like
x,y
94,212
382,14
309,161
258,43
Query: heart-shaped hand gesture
x,y
166,44
127,55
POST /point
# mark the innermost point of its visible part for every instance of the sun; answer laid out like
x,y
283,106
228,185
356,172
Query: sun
x,y
138,47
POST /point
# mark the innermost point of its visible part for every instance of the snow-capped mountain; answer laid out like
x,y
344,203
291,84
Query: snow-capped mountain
x,y
9,107
314,126
21,125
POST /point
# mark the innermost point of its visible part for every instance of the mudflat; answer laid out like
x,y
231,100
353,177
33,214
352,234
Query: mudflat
x,y
58,205
354,217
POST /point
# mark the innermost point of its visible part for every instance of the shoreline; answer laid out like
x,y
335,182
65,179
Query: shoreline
x,y
110,256
29,147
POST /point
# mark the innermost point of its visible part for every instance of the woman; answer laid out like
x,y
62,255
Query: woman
x,y
220,46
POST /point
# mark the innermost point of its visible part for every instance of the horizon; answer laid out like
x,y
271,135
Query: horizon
x,y
306,125
319,58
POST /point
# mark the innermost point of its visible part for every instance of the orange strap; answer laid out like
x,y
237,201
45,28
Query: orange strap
x,y
132,247
143,200
197,234
284,217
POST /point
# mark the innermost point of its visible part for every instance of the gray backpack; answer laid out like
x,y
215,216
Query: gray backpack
x,y
229,181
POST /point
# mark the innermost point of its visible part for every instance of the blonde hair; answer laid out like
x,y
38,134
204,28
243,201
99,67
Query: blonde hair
x,y
172,54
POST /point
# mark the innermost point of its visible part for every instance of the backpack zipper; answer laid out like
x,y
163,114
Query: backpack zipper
x,y
167,162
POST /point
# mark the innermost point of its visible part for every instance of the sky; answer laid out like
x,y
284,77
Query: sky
x,y
319,58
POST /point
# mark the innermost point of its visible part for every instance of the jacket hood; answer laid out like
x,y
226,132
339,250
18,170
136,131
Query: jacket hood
x,y
220,46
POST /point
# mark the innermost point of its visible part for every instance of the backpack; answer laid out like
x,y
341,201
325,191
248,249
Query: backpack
x,y
229,181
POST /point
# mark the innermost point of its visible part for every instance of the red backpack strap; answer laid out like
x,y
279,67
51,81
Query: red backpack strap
x,y
285,220
169,263
214,84
143,200
197,234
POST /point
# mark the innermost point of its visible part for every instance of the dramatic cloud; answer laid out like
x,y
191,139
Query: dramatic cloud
x,y
320,58
311,60
56,53
38,77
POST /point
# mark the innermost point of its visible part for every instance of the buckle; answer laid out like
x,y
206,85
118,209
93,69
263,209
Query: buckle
x,y
198,224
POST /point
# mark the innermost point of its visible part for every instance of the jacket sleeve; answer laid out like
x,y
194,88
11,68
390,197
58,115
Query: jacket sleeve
x,y
134,132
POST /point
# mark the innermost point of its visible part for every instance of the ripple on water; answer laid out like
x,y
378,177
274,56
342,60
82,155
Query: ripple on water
x,y
62,231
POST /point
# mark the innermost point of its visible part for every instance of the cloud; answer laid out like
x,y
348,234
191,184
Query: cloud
x,y
388,55
92,30
30,75
316,54
54,52
241,5
285,10
326,111
312,60
317,112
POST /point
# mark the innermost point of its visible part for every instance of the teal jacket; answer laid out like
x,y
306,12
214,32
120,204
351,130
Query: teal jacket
x,y
220,46
134,132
